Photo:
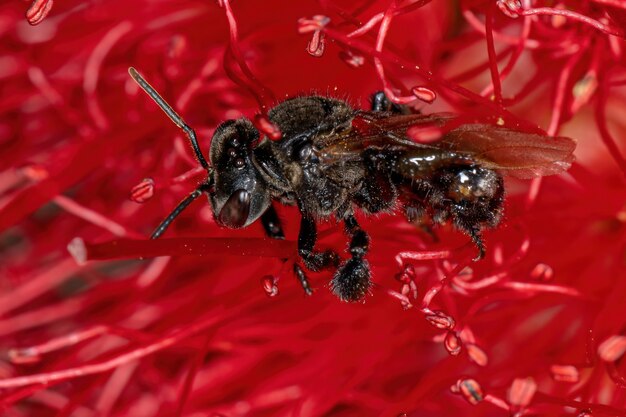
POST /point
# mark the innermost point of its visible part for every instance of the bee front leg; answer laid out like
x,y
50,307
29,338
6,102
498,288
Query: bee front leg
x,y
312,259
274,230
271,224
304,281
352,280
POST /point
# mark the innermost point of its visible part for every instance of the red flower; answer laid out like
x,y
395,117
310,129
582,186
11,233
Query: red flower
x,y
536,328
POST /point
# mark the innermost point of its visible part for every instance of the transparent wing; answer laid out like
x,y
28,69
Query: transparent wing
x,y
515,153
519,154
377,130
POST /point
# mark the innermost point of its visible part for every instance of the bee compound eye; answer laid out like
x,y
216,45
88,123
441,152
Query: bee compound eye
x,y
235,211
239,163
232,152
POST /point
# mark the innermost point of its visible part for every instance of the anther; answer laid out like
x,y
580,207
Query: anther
x,y
38,10
143,191
452,343
424,93
469,389
565,373
270,285
351,59
440,320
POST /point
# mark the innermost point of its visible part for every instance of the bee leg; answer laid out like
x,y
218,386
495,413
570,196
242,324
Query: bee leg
x,y
274,230
352,280
416,214
380,102
312,259
473,232
478,241
271,224
297,269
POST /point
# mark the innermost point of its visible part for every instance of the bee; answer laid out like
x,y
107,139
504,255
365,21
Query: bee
x,y
333,160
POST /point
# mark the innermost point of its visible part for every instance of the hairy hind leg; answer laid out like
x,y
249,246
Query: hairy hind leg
x,y
352,280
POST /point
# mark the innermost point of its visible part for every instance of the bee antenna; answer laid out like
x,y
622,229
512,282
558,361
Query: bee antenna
x,y
161,228
167,109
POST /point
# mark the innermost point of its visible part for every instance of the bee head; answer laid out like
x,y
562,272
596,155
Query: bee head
x,y
239,195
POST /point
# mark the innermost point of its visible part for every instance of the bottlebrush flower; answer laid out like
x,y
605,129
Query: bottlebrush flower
x,y
189,330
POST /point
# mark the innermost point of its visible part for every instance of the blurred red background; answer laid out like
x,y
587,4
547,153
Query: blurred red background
x,y
539,322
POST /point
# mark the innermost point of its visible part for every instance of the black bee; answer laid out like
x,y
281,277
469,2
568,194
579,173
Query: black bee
x,y
332,160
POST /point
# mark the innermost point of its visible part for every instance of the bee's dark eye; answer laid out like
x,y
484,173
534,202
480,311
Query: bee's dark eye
x,y
232,153
239,163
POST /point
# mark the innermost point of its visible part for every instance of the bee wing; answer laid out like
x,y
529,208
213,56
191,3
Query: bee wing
x,y
519,154
515,153
377,130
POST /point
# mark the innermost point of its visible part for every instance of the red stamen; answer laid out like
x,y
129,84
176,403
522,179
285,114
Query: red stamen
x,y
95,218
191,376
106,365
262,94
493,63
421,256
370,24
570,14
115,387
37,284
268,128
608,140
28,354
186,176
82,163
209,68
380,40
153,271
561,88
92,71
615,3
129,249
480,27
